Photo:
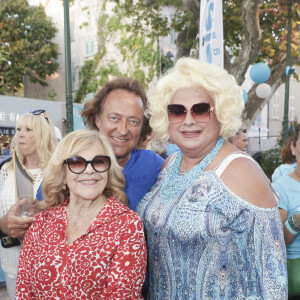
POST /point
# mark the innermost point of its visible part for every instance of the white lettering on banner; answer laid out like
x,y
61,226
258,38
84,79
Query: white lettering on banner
x,y
211,32
12,116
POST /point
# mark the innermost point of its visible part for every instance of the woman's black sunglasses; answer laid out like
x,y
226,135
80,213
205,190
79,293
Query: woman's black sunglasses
x,y
78,164
200,112
39,112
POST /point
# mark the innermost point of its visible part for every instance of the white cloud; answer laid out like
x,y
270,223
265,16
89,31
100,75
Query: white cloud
x,y
33,2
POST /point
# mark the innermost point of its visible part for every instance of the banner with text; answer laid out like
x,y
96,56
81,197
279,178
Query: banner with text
x,y
211,32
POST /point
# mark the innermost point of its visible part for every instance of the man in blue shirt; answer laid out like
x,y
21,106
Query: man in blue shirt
x,y
117,111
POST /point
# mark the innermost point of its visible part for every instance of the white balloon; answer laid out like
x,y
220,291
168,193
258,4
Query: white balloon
x,y
263,90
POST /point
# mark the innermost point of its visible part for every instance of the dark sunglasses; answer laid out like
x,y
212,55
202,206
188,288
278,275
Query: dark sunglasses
x,y
200,112
38,112
78,164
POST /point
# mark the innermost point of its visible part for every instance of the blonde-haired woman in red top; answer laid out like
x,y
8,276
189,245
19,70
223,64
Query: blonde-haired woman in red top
x,y
89,244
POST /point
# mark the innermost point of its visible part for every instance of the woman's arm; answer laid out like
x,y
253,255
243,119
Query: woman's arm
x,y
288,236
127,272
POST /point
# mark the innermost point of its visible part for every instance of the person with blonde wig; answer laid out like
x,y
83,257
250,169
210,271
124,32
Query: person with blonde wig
x,y
34,143
212,223
86,243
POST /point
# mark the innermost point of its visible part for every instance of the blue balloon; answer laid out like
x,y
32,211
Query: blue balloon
x,y
260,73
245,96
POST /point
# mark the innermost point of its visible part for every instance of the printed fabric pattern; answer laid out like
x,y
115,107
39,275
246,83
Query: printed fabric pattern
x,y
108,262
208,243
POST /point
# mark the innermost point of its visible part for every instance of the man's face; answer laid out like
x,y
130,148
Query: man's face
x,y
121,120
241,141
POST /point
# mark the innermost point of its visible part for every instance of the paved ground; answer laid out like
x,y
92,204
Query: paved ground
x,y
3,294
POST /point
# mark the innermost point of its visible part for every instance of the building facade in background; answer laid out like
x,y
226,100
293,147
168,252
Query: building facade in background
x,y
85,43
264,133
84,16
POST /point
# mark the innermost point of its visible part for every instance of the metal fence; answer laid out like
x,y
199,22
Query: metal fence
x,y
261,144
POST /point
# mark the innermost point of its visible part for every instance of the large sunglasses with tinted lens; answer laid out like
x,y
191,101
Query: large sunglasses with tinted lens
x,y
38,112
78,164
200,112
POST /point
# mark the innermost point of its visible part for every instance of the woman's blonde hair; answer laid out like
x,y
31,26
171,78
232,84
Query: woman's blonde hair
x,y
192,73
45,137
53,184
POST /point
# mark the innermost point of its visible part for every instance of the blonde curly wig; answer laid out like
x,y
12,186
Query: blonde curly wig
x,y
190,72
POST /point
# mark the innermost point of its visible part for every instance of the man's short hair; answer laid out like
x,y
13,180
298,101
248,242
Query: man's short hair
x,y
230,139
94,107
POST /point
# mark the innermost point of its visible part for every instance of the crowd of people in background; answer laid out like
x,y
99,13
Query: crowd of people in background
x,y
159,181
5,150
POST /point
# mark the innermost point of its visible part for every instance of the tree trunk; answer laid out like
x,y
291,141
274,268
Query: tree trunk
x,y
251,43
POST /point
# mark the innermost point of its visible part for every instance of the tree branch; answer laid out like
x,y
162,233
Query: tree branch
x,y
252,40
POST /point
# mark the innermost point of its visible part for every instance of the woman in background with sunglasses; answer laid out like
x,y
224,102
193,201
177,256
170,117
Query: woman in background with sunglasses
x,y
34,142
88,245
212,223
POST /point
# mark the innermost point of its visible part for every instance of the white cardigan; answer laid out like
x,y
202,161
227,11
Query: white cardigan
x,y
10,256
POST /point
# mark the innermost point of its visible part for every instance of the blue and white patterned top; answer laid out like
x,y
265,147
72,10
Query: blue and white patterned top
x,y
208,243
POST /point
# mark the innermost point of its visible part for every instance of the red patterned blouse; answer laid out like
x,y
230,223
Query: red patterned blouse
x,y
108,262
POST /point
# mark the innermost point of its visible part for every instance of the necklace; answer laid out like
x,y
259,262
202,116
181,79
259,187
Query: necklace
x,y
297,174
176,182
182,171
75,223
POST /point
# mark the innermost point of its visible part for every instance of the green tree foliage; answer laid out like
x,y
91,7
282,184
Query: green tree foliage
x,y
166,63
270,160
26,46
254,31
273,19
132,37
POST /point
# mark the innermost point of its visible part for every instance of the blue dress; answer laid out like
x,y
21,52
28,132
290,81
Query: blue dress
x,y
208,243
